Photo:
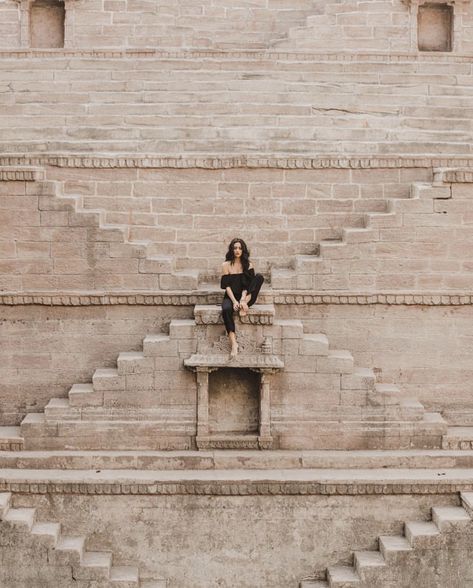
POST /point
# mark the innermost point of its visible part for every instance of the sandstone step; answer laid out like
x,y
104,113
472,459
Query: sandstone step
x,y
313,584
458,438
153,584
60,408
81,395
182,328
70,550
385,394
391,546
262,314
48,531
361,379
342,577
314,344
11,439
124,576
336,361
365,561
383,220
159,345
446,517
20,516
421,534
134,362
94,565
232,459
106,379
360,235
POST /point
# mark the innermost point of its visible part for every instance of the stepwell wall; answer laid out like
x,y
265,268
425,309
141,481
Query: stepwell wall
x,y
162,23
44,350
233,540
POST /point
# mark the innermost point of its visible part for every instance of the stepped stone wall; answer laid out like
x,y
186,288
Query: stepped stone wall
x,y
161,23
425,350
381,25
276,540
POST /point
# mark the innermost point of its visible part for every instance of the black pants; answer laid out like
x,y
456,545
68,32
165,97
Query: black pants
x,y
227,304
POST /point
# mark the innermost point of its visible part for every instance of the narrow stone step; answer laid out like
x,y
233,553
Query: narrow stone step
x,y
94,565
84,395
360,234
49,530
391,545
105,379
337,361
70,550
262,314
466,498
134,362
421,534
153,583
447,517
124,576
11,439
314,344
342,577
313,584
159,345
367,560
385,395
20,516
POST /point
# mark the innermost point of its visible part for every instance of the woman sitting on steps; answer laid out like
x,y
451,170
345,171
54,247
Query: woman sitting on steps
x,y
241,286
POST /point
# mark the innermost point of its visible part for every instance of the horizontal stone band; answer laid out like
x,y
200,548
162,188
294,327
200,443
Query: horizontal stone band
x,y
239,488
206,161
189,299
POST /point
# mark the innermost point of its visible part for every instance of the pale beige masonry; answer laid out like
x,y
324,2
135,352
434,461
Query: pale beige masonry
x,y
271,103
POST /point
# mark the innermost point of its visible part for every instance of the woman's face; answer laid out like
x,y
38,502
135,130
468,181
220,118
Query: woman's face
x,y
237,250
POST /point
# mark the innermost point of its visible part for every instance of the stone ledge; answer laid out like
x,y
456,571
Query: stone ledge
x,y
182,298
229,161
238,482
260,314
22,174
229,54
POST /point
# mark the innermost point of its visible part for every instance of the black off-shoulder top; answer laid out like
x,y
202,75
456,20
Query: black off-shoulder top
x,y
237,282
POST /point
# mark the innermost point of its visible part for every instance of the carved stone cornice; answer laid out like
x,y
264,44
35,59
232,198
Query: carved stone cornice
x,y
276,297
236,487
206,161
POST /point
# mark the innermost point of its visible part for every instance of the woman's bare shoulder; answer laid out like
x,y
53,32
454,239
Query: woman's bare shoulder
x,y
225,267
251,266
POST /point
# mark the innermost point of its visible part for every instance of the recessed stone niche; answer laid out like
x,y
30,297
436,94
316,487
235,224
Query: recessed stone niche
x,y
234,397
47,20
435,27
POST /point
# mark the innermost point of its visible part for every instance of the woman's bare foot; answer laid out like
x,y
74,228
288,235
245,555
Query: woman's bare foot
x,y
243,308
234,350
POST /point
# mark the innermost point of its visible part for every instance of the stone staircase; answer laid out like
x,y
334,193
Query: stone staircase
x,y
312,272
152,271
177,105
396,556
87,568
149,400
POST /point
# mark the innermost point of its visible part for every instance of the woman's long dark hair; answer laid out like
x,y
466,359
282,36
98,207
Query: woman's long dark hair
x,y
245,255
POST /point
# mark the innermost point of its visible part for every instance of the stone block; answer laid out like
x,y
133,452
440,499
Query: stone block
x,y
336,362
182,329
290,329
314,344
160,345
108,379
134,362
